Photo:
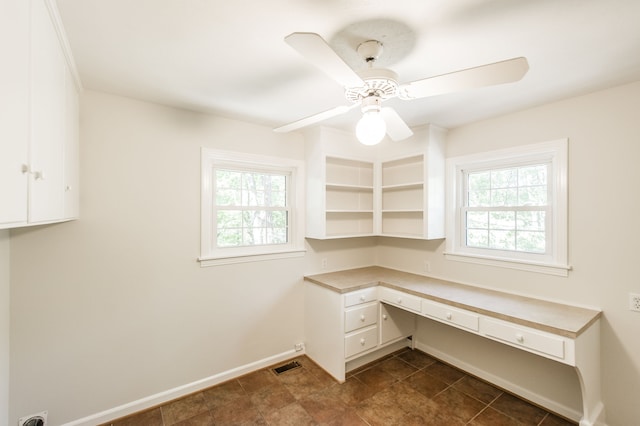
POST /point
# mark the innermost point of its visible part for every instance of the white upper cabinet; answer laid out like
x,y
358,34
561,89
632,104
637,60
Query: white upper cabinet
x,y
39,152
14,111
395,189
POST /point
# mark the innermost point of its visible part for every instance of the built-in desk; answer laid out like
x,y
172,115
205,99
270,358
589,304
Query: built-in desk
x,y
358,312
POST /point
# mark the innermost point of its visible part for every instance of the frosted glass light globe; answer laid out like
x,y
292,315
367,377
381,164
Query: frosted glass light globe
x,y
371,128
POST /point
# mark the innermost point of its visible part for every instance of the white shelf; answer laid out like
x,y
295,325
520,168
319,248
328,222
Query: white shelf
x,y
403,223
346,172
403,171
401,186
406,199
343,187
348,198
340,236
353,212
351,223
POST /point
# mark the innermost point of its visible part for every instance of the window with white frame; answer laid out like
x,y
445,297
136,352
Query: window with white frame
x,y
251,207
509,208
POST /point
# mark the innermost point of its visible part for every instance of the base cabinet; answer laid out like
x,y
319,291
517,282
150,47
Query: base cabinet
x,y
341,328
563,333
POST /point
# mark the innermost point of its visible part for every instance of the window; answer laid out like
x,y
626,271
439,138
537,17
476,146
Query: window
x,y
509,208
251,207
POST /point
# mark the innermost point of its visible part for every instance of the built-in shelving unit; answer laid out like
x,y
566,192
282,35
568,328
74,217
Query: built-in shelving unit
x,y
392,190
403,197
348,197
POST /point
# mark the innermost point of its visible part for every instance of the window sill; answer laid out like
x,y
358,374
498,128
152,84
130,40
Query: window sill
x,y
542,268
229,260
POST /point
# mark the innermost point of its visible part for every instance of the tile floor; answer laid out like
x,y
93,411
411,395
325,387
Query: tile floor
x,y
405,388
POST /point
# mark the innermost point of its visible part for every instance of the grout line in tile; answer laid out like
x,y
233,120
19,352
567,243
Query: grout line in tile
x,y
478,414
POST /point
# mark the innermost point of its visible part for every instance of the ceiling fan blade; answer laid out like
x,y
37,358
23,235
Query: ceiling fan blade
x,y
316,118
485,75
316,50
397,129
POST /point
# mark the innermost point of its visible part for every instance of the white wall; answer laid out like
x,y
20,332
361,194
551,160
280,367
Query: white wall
x,y
114,307
604,150
4,326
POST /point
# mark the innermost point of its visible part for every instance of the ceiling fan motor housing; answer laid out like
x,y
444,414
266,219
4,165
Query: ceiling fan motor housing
x,y
379,82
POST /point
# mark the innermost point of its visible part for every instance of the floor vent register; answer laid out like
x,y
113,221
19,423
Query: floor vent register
x,y
289,366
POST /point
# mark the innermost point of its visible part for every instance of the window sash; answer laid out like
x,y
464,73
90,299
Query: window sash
x,y
509,235
212,254
464,228
554,155
242,228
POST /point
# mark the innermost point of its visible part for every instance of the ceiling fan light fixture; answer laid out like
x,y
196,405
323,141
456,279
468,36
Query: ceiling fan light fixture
x,y
371,128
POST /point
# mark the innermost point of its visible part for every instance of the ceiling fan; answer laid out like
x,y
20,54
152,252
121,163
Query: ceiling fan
x,y
371,87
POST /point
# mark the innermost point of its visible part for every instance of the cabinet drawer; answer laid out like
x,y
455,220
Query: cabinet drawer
x,y
360,317
360,296
450,315
398,298
360,341
526,338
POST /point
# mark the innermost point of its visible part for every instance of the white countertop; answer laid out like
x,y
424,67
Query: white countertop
x,y
557,318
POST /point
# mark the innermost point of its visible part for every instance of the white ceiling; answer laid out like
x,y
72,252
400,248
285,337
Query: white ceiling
x,y
229,58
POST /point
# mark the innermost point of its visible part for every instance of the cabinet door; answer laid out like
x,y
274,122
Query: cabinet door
x,y
14,111
71,151
395,323
48,80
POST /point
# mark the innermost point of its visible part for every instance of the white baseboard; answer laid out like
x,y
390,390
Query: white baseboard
x,y
180,391
524,393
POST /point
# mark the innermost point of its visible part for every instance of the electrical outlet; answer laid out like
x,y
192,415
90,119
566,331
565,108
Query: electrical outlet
x,y
634,302
324,263
427,266
298,347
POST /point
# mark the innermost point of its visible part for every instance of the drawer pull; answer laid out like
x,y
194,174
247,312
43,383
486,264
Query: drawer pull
x,y
384,317
363,298
362,318
449,316
362,341
399,300
520,338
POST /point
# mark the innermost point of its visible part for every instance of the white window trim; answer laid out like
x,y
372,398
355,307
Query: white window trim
x,y
557,152
213,256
